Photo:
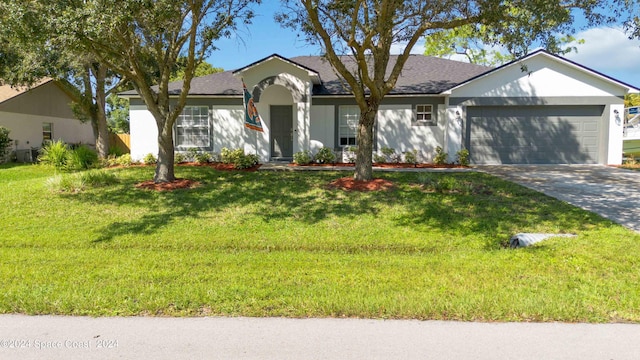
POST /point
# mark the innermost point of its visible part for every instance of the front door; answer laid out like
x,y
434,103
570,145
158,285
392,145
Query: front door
x,y
281,132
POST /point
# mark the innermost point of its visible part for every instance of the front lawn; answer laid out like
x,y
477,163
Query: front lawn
x,y
284,244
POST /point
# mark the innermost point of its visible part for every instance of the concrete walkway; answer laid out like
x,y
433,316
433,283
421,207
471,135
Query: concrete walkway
x,y
608,191
60,337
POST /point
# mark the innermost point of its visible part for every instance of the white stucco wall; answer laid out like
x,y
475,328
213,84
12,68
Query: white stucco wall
x,y
614,150
395,131
144,132
229,131
322,127
542,77
27,129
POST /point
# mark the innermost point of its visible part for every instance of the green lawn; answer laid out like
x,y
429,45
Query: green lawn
x,y
282,244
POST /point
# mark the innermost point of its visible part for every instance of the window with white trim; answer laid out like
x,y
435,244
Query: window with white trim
x,y
348,117
193,129
424,116
47,132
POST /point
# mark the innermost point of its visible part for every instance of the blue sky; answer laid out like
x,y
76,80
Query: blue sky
x,y
606,49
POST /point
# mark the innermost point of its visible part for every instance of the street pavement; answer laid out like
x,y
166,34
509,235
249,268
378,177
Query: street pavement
x,y
63,337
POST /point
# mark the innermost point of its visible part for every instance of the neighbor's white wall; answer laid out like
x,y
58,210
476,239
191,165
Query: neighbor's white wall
x,y
544,77
27,129
395,131
143,131
322,127
614,151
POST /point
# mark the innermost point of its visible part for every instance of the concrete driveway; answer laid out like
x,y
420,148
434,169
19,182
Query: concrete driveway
x,y
608,191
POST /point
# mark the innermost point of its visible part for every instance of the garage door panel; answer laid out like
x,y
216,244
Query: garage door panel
x,y
534,134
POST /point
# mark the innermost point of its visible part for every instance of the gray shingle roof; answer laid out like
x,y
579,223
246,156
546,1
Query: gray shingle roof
x,y
420,75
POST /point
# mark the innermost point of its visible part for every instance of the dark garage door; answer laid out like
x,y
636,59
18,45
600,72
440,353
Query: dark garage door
x,y
534,134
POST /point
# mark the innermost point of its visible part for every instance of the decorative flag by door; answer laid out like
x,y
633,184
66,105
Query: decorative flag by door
x,y
251,117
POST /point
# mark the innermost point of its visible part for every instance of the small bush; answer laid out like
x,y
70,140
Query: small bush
x,y
350,153
325,156
462,157
228,156
81,158
203,158
411,157
441,156
377,158
238,158
78,182
302,157
124,160
179,158
247,161
55,153
5,143
390,154
149,159
116,151
192,153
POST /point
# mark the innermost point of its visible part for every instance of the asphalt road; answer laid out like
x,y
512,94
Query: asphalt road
x,y
61,337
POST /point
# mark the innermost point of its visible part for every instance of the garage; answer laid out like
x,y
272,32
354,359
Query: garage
x,y
536,134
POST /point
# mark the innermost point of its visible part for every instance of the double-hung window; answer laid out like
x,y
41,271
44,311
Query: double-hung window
x,y
47,132
193,129
349,115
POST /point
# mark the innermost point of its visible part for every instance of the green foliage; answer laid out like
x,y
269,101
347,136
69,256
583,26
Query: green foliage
x,y
81,158
350,153
55,153
302,157
149,159
390,155
203,158
179,158
192,153
462,157
238,158
203,69
124,160
325,156
377,158
5,143
441,157
78,182
117,114
411,157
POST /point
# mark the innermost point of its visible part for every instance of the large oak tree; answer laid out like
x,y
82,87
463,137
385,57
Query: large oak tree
x,y
365,31
144,41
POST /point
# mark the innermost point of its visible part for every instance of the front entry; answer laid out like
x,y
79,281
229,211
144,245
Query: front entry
x,y
281,132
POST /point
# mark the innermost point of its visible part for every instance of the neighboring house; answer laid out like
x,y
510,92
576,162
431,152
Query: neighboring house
x,y
539,109
39,114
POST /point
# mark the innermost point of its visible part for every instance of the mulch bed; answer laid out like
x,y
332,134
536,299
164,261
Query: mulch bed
x,y
222,167
389,165
350,184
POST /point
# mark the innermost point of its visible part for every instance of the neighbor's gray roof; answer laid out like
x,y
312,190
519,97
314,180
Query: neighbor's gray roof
x,y
420,75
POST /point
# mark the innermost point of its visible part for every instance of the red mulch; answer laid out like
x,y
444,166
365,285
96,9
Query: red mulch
x,y
223,167
349,184
168,186
392,165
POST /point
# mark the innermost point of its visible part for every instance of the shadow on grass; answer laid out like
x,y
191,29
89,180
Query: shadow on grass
x,y
303,197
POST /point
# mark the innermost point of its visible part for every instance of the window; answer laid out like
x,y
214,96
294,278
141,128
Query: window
x,y
424,115
348,125
47,132
192,128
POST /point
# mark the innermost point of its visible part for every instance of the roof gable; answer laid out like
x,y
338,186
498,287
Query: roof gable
x,y
7,92
541,74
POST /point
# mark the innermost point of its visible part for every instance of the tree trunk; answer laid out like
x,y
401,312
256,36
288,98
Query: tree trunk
x,y
102,135
364,154
164,167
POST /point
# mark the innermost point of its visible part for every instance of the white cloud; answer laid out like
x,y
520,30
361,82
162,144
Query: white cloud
x,y
609,51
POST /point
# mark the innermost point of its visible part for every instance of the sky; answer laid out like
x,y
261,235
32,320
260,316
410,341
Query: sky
x,y
605,49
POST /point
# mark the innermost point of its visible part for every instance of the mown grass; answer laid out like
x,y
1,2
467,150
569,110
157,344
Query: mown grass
x,y
283,244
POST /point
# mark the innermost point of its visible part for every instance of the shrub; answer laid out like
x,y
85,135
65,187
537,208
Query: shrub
x,y
441,156
5,143
377,158
462,157
390,154
124,160
179,158
55,153
149,159
238,158
350,153
325,156
81,158
116,151
192,153
411,157
203,158
302,157
98,177
77,182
